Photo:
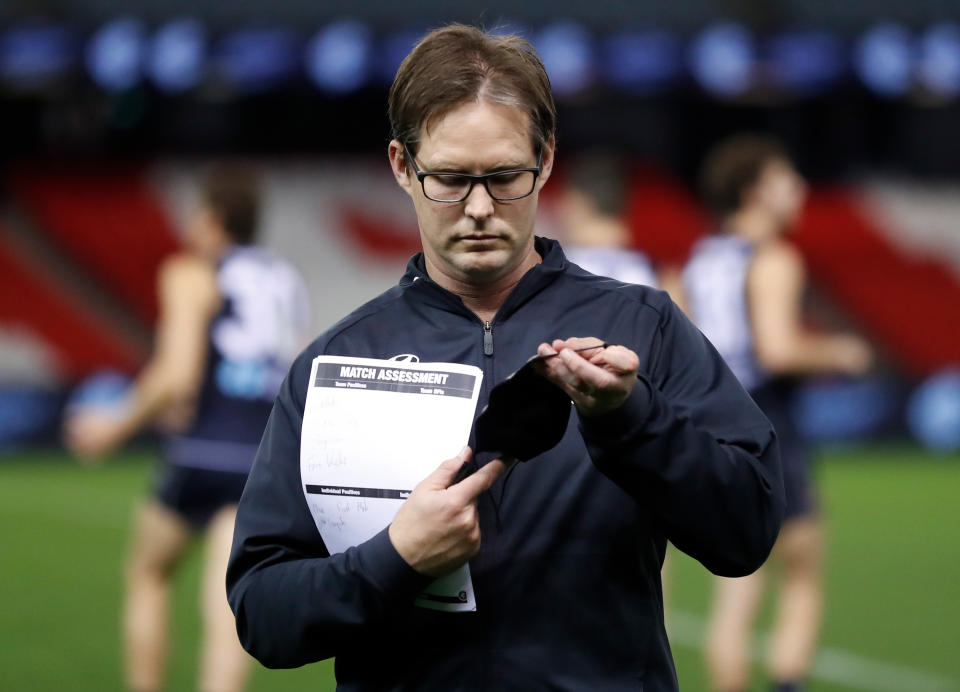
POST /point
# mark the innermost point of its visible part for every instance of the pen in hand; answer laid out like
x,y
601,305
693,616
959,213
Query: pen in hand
x,y
603,344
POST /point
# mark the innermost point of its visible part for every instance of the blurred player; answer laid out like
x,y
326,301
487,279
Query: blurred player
x,y
596,236
232,317
592,210
745,286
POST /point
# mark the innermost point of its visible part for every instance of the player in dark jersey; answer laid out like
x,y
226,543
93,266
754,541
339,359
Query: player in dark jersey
x,y
232,317
744,287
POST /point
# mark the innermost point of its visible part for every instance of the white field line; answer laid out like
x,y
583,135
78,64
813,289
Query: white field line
x,y
832,665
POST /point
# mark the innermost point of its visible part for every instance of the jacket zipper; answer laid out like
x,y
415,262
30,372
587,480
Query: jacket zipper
x,y
487,339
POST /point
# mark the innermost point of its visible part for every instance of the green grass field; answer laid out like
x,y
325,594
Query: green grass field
x,y
892,623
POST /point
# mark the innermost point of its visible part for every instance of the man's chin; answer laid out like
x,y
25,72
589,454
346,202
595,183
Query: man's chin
x,y
483,265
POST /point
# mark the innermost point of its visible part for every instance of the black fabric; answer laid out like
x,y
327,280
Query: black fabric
x,y
787,687
775,398
197,494
526,416
567,580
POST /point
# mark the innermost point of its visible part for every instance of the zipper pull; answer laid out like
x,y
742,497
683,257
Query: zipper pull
x,y
487,339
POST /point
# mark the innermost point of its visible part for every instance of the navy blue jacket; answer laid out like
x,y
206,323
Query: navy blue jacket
x,y
567,581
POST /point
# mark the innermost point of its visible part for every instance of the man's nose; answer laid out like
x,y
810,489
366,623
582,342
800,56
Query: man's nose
x,y
479,203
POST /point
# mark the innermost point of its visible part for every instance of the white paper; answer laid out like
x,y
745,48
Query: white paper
x,y
372,430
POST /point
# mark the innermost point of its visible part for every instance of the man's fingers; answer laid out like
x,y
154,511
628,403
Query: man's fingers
x,y
583,344
480,480
583,370
444,474
619,358
545,350
582,376
557,371
587,347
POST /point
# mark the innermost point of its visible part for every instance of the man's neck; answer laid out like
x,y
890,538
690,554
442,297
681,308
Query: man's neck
x,y
600,231
483,299
754,226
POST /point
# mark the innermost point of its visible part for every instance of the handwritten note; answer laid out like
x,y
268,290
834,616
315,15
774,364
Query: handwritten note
x,y
372,430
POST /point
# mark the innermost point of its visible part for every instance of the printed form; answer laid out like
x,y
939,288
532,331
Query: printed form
x,y
372,430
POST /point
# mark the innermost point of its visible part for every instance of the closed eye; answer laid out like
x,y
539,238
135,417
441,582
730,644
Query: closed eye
x,y
450,179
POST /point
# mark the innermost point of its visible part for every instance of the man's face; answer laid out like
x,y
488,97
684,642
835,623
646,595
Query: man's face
x,y
479,240
781,191
204,233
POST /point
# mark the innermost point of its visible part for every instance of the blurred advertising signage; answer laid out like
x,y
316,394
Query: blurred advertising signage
x,y
939,59
723,58
177,57
726,60
806,62
115,54
36,55
257,59
339,57
566,49
884,58
641,61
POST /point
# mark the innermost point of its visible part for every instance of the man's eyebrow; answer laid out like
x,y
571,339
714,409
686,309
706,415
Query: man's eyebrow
x,y
444,167
510,166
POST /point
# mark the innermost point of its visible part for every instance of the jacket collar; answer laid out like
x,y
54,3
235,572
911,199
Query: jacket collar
x,y
553,264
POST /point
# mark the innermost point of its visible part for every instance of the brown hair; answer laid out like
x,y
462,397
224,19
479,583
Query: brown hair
x,y
603,177
733,166
457,64
232,193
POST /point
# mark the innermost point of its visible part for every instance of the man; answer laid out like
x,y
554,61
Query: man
x,y
565,557
745,287
232,316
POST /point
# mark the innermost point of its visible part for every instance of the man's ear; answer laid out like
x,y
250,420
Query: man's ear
x,y
546,164
749,196
399,165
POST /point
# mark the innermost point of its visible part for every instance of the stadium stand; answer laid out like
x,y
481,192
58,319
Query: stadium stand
x,y
108,219
908,303
36,301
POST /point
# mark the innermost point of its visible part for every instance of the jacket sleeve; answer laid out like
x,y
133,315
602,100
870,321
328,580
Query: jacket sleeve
x,y
690,444
295,603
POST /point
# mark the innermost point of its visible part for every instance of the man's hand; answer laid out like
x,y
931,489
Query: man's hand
x,y
597,379
90,435
437,528
854,355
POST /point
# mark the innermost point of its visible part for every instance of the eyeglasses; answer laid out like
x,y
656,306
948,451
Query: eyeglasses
x,y
502,186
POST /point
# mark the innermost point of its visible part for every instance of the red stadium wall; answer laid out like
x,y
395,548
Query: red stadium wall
x,y
108,220
911,305
665,218
47,309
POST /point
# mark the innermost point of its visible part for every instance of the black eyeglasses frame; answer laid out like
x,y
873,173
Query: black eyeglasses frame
x,y
474,178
